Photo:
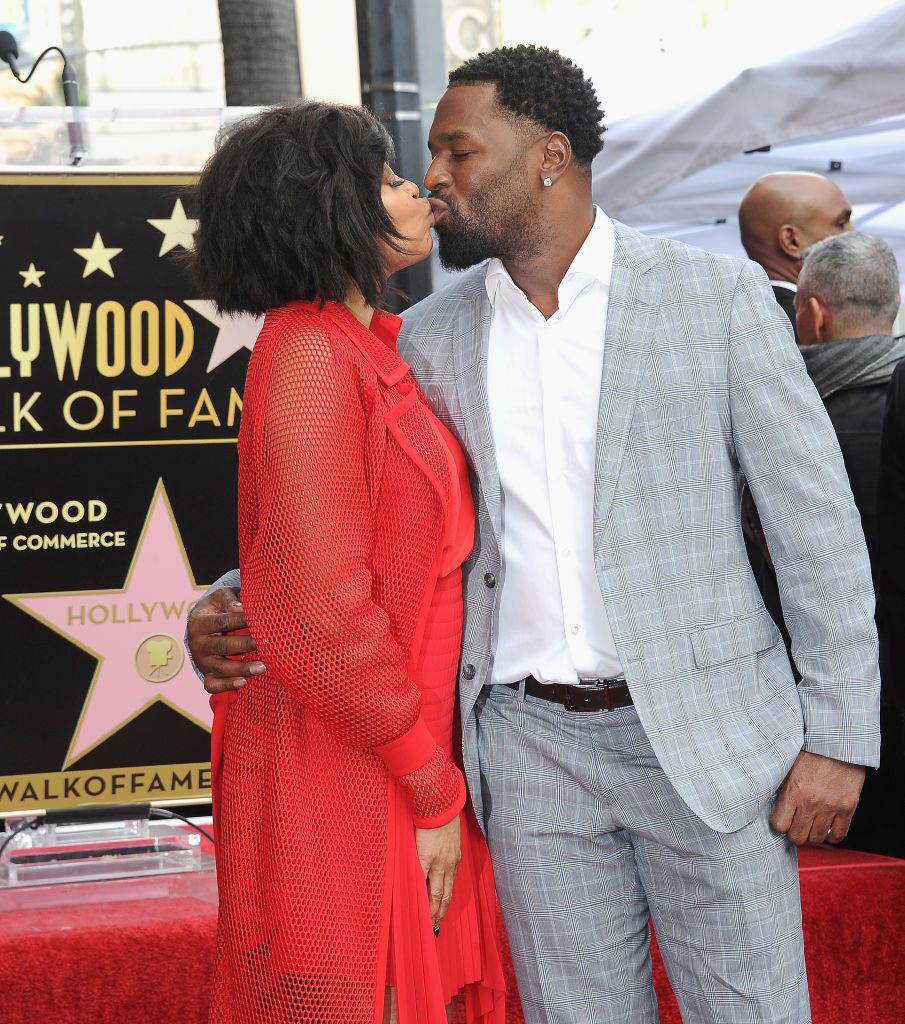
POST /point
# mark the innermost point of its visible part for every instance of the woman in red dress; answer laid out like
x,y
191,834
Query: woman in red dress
x,y
344,838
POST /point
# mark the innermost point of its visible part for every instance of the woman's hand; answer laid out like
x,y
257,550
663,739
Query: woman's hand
x,y
439,853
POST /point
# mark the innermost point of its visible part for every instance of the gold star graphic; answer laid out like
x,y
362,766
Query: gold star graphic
x,y
177,230
32,276
98,257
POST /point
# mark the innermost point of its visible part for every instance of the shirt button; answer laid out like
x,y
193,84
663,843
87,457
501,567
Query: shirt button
x,y
489,579
574,630
567,553
468,671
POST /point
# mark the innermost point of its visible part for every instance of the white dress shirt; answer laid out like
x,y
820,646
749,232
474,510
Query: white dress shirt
x,y
544,389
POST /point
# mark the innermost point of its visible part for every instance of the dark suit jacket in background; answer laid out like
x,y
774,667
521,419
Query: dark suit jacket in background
x,y
786,299
890,527
870,425
857,416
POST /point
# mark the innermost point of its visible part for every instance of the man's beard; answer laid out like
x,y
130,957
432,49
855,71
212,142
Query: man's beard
x,y
502,224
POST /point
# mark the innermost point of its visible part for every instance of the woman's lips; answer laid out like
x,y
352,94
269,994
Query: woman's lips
x,y
438,208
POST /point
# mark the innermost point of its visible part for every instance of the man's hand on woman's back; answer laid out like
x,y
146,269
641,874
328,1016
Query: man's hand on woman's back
x,y
217,645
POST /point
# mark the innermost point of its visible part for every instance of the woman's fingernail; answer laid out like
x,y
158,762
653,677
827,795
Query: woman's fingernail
x,y
257,667
239,683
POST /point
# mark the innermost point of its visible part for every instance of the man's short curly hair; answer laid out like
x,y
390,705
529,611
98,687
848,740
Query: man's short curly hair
x,y
543,86
289,207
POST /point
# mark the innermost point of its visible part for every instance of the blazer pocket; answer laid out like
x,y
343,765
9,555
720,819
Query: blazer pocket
x,y
734,639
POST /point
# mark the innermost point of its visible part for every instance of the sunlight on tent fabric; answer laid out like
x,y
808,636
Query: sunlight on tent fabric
x,y
646,54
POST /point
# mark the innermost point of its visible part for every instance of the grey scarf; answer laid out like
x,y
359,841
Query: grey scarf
x,y
852,362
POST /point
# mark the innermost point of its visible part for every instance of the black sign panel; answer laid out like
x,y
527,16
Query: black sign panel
x,y
120,401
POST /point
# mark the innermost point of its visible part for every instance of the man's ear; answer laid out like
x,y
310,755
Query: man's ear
x,y
823,319
809,320
813,321
789,242
556,157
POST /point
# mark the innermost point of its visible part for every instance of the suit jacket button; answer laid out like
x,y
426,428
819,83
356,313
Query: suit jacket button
x,y
468,671
489,579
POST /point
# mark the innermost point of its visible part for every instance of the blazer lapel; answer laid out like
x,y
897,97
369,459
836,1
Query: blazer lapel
x,y
632,314
471,334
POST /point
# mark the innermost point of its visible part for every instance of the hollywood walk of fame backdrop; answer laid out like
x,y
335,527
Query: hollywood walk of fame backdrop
x,y
120,402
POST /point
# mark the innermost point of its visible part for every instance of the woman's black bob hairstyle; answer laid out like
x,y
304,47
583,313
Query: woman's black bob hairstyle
x,y
289,207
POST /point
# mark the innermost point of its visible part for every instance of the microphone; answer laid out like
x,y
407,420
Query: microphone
x,y
70,86
9,52
74,128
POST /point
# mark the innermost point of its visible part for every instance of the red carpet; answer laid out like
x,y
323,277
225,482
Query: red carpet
x,y
148,962
136,962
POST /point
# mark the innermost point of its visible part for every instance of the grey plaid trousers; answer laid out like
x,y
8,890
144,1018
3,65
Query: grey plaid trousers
x,y
588,838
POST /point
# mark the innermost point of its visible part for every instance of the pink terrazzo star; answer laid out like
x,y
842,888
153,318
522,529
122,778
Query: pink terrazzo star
x,y
135,633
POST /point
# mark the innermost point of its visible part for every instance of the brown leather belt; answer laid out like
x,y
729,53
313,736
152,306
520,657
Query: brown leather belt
x,y
592,695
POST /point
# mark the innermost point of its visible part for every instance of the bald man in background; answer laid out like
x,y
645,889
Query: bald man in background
x,y
780,216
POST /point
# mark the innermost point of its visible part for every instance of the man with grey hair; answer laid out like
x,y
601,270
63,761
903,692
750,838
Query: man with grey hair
x,y
848,288
847,300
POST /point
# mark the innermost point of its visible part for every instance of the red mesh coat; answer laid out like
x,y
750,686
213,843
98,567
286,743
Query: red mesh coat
x,y
324,765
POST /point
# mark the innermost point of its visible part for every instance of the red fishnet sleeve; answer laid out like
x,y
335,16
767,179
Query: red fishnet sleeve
x,y
306,584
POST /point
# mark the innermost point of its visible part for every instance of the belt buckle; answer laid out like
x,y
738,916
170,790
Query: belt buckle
x,y
604,685
573,701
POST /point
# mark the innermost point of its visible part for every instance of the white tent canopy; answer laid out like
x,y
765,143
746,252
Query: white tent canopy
x,y
838,109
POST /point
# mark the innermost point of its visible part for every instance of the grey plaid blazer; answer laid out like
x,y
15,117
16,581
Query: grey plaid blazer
x,y
702,388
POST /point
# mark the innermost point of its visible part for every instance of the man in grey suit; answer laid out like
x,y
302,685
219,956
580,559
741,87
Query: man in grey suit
x,y
634,741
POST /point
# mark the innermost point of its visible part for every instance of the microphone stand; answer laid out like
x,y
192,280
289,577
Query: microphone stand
x,y
70,94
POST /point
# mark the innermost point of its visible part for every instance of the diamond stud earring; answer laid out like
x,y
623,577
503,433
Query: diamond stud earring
x,y
548,182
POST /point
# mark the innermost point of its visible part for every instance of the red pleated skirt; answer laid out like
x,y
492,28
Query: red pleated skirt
x,y
464,960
